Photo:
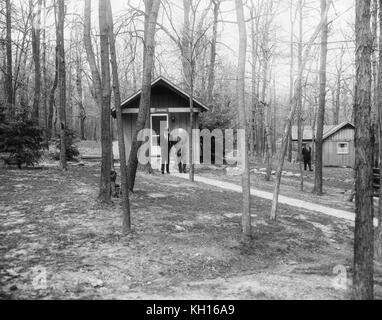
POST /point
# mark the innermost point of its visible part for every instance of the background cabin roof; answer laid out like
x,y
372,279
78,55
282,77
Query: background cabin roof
x,y
160,84
329,130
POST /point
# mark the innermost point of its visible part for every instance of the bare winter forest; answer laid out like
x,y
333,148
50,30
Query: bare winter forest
x,y
195,149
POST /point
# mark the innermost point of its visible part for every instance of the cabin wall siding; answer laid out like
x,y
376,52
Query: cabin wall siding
x,y
330,152
332,158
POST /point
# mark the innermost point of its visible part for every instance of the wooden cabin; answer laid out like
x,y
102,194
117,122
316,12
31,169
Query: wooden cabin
x,y
338,144
168,103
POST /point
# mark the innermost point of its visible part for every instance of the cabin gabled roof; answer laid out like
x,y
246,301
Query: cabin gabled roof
x,y
161,81
328,131
336,129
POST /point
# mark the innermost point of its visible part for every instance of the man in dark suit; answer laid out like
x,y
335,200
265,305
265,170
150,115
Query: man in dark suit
x,y
307,157
165,152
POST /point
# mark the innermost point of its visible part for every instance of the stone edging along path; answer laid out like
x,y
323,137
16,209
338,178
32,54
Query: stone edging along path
x,y
341,214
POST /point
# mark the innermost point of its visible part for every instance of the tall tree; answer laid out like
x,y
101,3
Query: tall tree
x,y
80,102
126,224
151,16
294,103
291,76
190,46
36,49
254,95
378,238
188,70
363,283
267,105
211,71
337,100
96,77
321,106
9,77
45,79
186,44
52,95
106,165
246,217
61,80
299,100
374,62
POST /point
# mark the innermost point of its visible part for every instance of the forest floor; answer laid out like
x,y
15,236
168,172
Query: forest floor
x,y
185,245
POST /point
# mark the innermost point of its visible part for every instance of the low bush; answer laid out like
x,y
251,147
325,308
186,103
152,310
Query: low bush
x,y
21,142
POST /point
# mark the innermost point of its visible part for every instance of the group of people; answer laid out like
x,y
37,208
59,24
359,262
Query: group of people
x,y
165,166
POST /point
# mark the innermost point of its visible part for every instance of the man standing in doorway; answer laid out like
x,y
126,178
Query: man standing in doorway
x,y
165,152
307,157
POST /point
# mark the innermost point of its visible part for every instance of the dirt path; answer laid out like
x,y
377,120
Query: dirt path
x,y
350,216
334,194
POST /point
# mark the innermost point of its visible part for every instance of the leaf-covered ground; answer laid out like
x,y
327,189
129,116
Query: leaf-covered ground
x,y
185,245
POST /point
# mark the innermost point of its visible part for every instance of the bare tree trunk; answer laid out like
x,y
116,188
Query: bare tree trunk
x,y
36,49
188,70
299,108
186,44
106,165
69,98
267,105
20,51
321,106
274,121
80,103
101,86
254,98
374,63
3,75
133,68
211,69
62,81
293,102
246,218
190,135
126,224
378,238
96,78
45,76
336,111
9,77
152,8
363,282
314,121
52,93
290,138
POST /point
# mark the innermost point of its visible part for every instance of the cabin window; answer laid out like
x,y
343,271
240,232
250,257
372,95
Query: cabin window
x,y
343,148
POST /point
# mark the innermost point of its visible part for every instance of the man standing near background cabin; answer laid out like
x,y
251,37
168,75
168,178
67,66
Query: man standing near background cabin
x,y
307,157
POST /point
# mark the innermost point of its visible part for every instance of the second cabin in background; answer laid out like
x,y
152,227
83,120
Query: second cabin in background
x,y
338,144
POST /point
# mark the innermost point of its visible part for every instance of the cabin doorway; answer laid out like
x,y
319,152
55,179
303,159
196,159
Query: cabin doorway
x,y
155,146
